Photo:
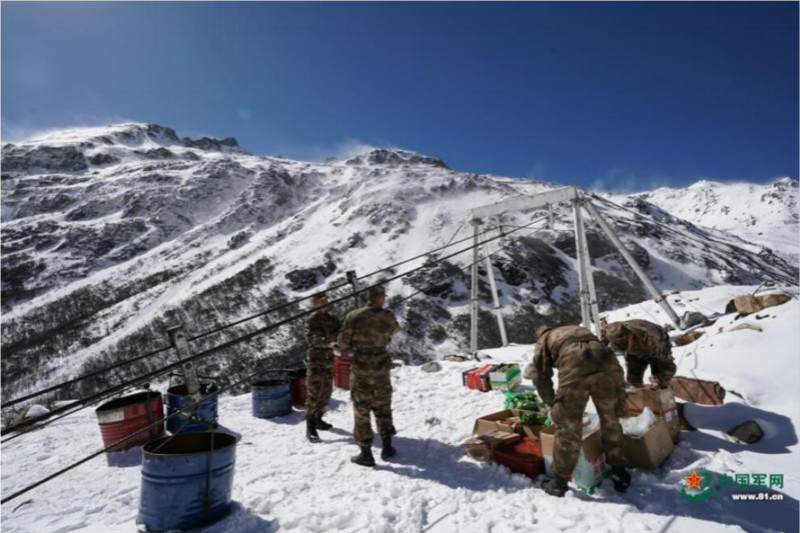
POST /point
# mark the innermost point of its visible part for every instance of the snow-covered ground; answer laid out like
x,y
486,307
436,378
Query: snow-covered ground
x,y
284,483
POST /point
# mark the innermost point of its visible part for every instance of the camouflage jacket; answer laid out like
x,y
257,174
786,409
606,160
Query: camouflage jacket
x,y
639,339
575,352
369,328
321,329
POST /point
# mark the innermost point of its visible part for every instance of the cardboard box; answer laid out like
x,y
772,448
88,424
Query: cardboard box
x,y
483,447
524,457
505,377
650,450
508,421
466,376
591,468
697,390
661,402
478,378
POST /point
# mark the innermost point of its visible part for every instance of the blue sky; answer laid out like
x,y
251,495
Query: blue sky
x,y
627,96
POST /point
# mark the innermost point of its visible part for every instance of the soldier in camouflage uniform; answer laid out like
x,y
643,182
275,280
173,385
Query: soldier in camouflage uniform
x,y
586,369
321,330
644,344
366,333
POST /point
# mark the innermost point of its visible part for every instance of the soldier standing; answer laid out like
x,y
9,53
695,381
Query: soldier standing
x,y
321,330
586,369
644,344
366,333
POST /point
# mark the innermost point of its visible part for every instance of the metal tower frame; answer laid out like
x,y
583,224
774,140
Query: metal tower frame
x,y
590,313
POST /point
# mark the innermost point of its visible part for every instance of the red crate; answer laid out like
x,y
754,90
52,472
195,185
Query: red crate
x,y
341,371
524,457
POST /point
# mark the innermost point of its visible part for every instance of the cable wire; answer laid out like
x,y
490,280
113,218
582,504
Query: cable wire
x,y
282,306
129,437
155,373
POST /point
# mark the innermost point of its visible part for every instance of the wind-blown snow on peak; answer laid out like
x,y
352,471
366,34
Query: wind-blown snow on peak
x,y
395,157
79,149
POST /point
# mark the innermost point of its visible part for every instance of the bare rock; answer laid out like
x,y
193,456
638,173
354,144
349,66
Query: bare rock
x,y
747,433
745,325
688,338
431,366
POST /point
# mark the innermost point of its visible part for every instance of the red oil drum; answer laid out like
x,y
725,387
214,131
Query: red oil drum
x,y
297,379
341,371
125,416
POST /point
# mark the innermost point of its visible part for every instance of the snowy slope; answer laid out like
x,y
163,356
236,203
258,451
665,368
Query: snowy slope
x,y
283,483
764,214
110,235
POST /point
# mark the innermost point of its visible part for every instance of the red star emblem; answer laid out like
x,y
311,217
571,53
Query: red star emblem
x,y
694,481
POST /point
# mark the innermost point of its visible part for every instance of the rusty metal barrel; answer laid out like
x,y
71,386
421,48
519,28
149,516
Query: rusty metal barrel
x,y
186,481
125,416
195,419
297,379
271,398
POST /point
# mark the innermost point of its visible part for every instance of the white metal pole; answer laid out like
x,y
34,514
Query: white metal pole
x,y
496,299
580,255
177,337
473,333
591,292
655,293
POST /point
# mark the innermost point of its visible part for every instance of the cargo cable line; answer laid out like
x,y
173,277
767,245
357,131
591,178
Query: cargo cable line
x,y
123,440
85,402
237,322
236,383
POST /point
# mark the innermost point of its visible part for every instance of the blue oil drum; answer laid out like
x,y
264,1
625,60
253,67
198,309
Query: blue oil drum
x,y
186,482
178,398
271,398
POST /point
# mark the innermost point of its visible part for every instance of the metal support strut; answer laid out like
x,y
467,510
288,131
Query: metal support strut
x,y
177,337
496,300
473,333
654,292
352,279
580,255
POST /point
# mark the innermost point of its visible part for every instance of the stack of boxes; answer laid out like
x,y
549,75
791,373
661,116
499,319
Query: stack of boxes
x,y
487,377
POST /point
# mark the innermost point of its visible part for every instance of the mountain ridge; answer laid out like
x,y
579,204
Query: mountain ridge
x,y
98,262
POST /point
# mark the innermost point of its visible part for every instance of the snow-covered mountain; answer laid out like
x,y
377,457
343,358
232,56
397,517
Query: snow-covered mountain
x,y
112,234
764,214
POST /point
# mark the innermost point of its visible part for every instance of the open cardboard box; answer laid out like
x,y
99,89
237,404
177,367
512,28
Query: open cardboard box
x,y
499,422
650,450
661,402
483,447
591,468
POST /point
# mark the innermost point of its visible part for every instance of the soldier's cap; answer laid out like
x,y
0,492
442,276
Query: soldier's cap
x,y
321,295
541,330
376,291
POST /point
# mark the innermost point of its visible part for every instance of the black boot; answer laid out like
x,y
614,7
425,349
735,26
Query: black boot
x,y
311,430
621,478
388,450
321,424
364,458
555,486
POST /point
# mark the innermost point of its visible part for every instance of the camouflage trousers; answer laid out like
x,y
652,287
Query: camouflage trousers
x,y
662,368
319,380
607,390
371,392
